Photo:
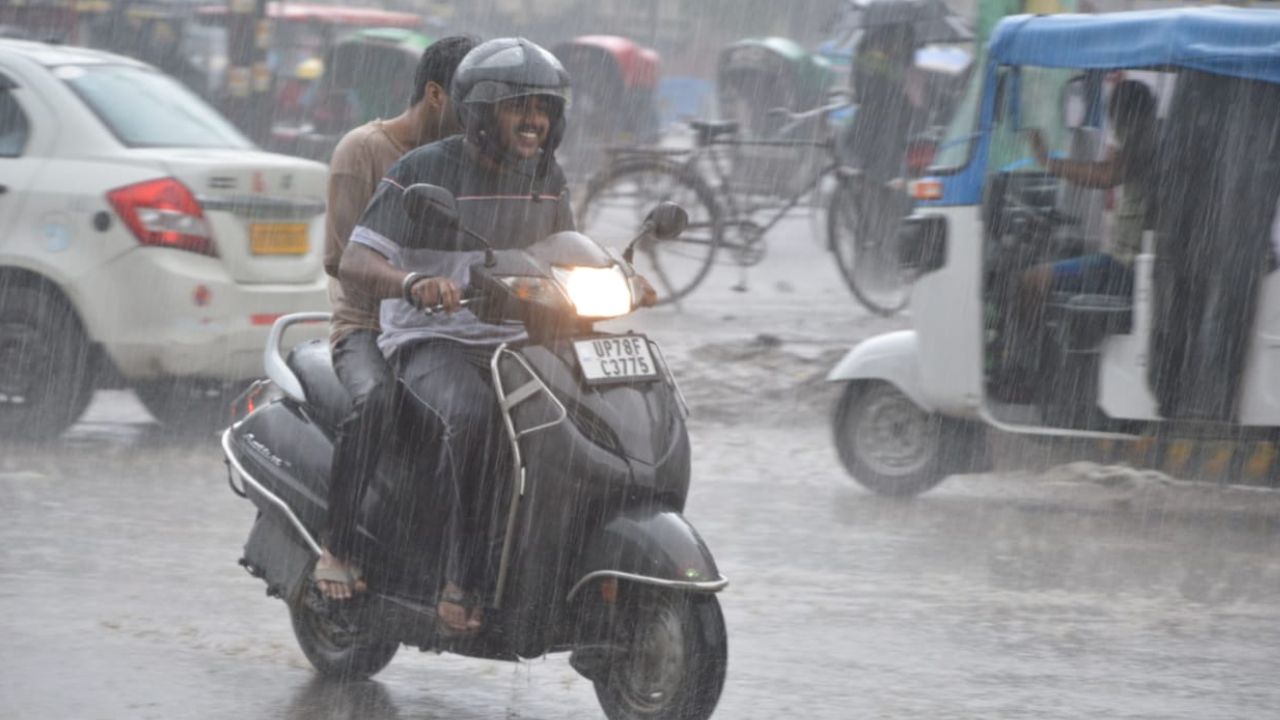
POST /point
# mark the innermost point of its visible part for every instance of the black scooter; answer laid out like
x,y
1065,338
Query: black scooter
x,y
592,554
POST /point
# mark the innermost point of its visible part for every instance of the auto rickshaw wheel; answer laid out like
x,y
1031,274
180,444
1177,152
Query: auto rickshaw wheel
x,y
895,448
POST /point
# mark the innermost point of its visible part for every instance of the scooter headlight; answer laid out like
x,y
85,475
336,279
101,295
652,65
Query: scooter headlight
x,y
597,292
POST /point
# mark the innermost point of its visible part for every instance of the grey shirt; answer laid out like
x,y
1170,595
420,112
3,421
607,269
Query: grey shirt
x,y
507,205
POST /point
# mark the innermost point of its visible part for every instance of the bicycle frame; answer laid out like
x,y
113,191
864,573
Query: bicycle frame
x,y
739,212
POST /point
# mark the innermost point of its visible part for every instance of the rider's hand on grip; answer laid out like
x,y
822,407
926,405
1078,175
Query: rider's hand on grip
x,y
437,291
648,296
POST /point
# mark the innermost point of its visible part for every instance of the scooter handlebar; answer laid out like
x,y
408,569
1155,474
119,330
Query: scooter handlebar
x,y
439,308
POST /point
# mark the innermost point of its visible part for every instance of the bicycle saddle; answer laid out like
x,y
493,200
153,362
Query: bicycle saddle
x,y
708,130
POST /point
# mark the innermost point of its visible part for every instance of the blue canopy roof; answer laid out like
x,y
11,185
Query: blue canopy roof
x,y
1240,42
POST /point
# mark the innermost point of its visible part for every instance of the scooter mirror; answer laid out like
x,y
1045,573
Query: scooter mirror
x,y
668,220
431,206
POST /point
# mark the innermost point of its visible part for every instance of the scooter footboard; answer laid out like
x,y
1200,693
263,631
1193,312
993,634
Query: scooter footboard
x,y
653,548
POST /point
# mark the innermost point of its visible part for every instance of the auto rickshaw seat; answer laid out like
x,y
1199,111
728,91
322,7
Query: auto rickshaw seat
x,y
1082,321
709,130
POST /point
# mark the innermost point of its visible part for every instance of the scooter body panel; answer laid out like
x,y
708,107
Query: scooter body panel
x,y
651,546
289,454
617,446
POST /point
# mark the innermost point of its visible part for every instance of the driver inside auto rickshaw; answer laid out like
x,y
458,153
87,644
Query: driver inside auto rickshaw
x,y
1132,112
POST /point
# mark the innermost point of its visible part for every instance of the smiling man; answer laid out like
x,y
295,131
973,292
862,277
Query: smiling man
x,y
511,97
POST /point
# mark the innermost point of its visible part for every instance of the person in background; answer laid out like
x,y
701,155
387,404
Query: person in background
x,y
876,141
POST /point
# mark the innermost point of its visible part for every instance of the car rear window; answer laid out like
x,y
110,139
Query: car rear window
x,y
144,108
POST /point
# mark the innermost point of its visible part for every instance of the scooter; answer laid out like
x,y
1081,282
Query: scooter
x,y
593,555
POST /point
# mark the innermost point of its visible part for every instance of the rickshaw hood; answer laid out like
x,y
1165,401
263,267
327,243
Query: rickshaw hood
x,y
1237,42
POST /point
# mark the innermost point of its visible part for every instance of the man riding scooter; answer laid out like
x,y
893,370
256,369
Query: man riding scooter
x,y
511,97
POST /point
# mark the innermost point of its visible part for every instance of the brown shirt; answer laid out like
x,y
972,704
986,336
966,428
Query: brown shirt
x,y
359,163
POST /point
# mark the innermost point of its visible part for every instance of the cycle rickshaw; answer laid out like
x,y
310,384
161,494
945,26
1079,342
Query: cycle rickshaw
x,y
615,85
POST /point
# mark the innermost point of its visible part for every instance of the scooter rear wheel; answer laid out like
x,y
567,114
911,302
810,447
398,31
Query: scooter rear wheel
x,y
336,648
674,664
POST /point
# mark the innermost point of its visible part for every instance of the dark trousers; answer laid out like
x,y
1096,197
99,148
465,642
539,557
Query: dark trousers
x,y
452,384
367,376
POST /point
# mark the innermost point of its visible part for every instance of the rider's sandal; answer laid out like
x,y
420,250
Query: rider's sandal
x,y
337,575
464,600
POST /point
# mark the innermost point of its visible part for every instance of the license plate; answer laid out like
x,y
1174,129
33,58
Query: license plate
x,y
622,358
279,239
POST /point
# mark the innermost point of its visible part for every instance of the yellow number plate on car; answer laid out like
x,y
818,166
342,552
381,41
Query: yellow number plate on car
x,y
279,239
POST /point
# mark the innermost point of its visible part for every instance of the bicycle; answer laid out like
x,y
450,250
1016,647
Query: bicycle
x,y
736,190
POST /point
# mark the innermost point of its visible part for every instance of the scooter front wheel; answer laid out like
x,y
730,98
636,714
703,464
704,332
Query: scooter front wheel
x,y
335,646
674,661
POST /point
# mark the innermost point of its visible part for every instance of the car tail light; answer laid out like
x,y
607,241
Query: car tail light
x,y
164,213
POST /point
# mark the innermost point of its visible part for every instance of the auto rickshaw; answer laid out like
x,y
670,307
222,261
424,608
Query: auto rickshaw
x,y
1192,350
761,83
615,85
342,98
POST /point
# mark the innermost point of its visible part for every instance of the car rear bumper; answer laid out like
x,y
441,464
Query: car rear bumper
x,y
160,313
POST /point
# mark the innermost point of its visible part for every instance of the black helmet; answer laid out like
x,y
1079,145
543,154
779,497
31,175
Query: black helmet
x,y
502,69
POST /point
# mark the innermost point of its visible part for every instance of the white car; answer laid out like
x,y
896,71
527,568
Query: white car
x,y
141,237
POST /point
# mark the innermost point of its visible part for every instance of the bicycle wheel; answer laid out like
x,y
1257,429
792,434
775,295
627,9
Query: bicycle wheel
x,y
616,203
865,254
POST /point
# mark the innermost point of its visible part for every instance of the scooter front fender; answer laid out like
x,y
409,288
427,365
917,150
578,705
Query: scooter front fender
x,y
893,358
652,548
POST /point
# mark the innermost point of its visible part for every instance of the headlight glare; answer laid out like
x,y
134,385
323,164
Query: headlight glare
x,y
597,292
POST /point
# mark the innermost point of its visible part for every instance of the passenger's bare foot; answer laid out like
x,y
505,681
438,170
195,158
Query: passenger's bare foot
x,y
457,612
336,579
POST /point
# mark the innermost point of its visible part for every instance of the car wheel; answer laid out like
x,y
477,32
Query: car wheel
x,y
45,372
186,405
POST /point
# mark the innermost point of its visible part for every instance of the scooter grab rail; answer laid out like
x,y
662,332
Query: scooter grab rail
x,y
273,359
271,497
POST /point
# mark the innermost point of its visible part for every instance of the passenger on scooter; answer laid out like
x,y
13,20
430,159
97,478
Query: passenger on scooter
x,y
359,162
511,98
1132,111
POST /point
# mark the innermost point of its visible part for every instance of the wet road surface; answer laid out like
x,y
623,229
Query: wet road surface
x,y
1077,593
996,596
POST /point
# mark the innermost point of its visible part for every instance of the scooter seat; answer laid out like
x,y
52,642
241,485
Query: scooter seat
x,y
326,396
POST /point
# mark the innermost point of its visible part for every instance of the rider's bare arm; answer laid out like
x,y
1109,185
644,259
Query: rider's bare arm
x,y
368,270
348,196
